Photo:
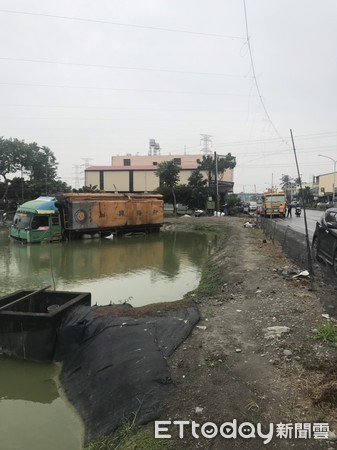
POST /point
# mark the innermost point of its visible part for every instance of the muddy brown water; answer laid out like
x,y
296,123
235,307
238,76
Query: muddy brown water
x,y
141,270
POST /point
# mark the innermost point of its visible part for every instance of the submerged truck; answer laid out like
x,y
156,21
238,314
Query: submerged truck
x,y
68,216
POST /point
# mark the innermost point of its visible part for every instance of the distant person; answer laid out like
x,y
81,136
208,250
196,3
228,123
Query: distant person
x,y
289,208
281,210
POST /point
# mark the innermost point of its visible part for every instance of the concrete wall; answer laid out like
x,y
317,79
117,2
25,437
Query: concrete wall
x,y
144,181
325,184
92,178
119,179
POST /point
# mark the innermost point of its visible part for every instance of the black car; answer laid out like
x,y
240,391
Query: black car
x,y
324,242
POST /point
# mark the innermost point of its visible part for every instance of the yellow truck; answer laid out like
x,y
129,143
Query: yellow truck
x,y
273,204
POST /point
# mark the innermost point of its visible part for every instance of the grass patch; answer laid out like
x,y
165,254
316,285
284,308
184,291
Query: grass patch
x,y
101,443
215,360
327,333
211,281
113,442
128,437
145,440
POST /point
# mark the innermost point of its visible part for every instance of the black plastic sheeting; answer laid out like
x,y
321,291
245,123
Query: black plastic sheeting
x,y
114,368
293,242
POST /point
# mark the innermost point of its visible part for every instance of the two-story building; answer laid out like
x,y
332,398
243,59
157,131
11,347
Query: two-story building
x,y
137,173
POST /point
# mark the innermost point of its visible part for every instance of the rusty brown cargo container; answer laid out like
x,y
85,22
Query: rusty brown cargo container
x,y
100,213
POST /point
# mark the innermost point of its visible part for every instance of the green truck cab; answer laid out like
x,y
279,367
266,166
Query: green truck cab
x,y
73,215
37,221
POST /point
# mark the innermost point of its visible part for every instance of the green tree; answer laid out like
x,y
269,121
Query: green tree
x,y
308,197
11,151
87,189
198,190
289,186
208,163
168,173
36,165
233,203
41,163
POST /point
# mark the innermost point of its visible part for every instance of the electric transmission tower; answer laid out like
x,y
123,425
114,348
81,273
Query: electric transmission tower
x,y
207,143
76,178
85,165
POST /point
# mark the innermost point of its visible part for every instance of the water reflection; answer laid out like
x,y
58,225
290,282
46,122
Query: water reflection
x,y
159,267
26,380
153,268
31,410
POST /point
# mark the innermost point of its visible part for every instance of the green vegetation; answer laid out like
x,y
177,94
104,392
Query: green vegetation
x,y
194,194
211,281
168,174
327,333
145,440
216,168
26,172
102,443
215,360
128,438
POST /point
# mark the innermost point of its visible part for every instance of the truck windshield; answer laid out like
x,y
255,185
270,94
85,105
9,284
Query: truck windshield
x,y
22,220
275,198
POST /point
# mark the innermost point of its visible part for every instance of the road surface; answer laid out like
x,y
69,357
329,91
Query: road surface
x,y
297,223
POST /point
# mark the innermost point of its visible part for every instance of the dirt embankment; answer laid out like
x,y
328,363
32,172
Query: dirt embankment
x,y
229,368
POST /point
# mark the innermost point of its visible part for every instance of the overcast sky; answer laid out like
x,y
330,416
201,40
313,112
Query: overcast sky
x,y
93,79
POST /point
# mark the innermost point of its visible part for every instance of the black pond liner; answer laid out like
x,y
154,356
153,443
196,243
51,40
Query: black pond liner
x,y
293,243
114,368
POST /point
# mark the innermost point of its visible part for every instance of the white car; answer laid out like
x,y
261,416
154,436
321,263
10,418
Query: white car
x,y
199,212
252,206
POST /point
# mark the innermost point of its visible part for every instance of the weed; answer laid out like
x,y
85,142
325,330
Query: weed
x,y
211,280
101,443
145,440
215,360
113,442
327,333
128,438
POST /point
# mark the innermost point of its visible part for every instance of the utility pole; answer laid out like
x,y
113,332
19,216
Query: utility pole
x,y
216,182
310,266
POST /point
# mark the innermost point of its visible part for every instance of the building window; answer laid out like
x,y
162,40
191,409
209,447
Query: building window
x,y
177,161
126,162
121,213
155,163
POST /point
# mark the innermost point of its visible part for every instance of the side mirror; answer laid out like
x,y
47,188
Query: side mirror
x,y
332,225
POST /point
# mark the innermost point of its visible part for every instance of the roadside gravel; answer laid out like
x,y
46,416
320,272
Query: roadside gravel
x,y
230,367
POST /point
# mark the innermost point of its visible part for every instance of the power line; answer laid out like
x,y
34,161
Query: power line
x,y
105,22
156,91
114,108
254,76
107,66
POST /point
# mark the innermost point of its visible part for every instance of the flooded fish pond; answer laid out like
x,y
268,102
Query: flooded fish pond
x,y
138,270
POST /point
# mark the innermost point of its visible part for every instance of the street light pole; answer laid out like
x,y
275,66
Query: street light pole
x,y
334,176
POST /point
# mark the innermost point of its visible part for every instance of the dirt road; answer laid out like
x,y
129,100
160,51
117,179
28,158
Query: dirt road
x,y
231,368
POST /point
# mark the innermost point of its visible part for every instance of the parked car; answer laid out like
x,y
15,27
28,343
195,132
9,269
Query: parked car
x,y
324,241
199,213
252,206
